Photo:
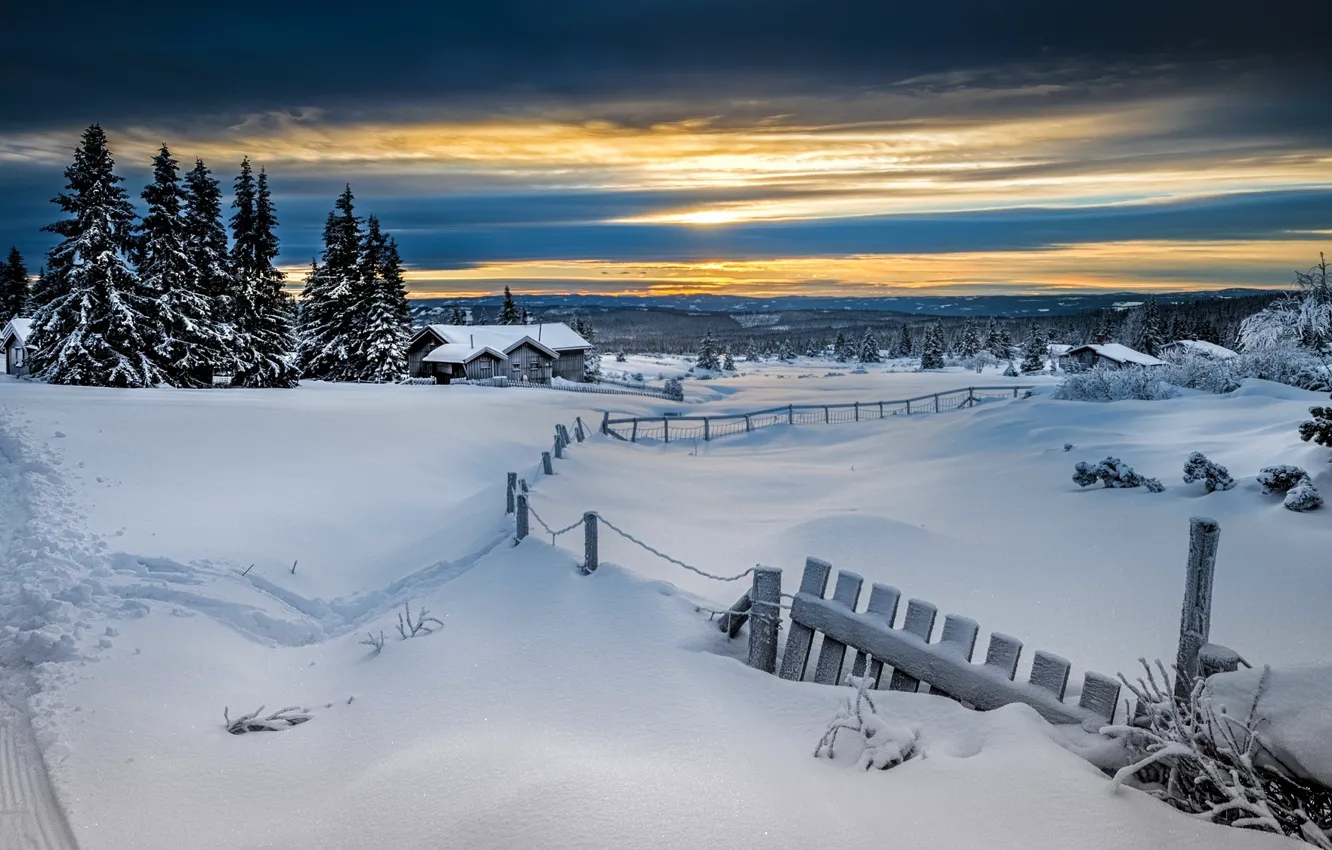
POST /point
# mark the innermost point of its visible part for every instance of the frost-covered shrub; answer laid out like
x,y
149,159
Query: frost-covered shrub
x,y
1205,762
1303,496
1113,472
673,389
1103,383
277,721
1318,429
1011,371
1213,475
422,625
1279,479
883,744
1199,372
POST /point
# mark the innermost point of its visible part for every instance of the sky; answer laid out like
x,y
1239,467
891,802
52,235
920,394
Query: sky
x,y
762,147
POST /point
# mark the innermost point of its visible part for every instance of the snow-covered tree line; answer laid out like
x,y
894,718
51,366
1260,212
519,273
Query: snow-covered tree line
x,y
354,318
131,302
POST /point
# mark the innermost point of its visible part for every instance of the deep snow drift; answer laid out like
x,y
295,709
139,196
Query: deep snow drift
x,y
560,710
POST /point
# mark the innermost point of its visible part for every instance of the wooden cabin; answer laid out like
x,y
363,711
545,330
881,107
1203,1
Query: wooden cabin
x,y
14,340
522,353
1110,354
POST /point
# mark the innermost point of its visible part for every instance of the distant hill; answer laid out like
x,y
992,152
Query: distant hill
x,y
1012,306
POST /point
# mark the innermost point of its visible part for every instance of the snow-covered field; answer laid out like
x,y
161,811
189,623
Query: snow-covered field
x,y
560,710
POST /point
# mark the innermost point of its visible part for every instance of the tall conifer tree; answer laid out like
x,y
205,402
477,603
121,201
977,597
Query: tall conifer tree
x,y
329,325
262,311
386,317
13,287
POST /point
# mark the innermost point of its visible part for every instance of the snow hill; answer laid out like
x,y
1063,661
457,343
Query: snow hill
x,y
559,710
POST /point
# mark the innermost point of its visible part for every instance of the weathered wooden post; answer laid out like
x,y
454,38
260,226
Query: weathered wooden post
x,y
513,486
765,616
605,422
590,542
880,410
522,484
665,429
971,396
826,419
936,402
578,429
1195,624
564,435
545,464
790,414
707,432
908,413
748,426
521,520
633,434
559,447
857,411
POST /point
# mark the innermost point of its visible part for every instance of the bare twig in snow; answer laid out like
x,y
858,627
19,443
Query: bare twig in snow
x,y
277,721
409,629
376,642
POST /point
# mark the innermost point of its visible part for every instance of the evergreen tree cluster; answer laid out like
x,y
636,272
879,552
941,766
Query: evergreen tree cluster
x,y
134,303
592,356
13,287
354,317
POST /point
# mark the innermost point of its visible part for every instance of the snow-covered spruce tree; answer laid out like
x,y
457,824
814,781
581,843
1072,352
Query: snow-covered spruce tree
x,y
262,317
903,347
840,348
621,356
1150,333
785,353
1319,428
1113,473
206,245
329,324
592,356
1033,355
728,363
386,317
869,348
458,316
707,353
970,345
673,389
1213,475
509,314
191,343
13,287
95,324
1279,479
932,354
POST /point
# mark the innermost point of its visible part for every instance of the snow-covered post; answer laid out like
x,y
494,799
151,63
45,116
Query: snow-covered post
x,y
513,486
605,422
936,402
1195,624
590,560
559,447
521,524
545,464
578,429
765,615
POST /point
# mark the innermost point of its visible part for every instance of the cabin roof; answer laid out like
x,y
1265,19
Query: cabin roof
x,y
1120,354
460,353
1211,349
554,337
16,327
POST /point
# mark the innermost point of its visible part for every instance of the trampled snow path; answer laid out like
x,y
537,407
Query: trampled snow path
x,y
30,816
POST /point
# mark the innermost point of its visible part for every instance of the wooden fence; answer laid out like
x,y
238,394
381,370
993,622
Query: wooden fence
x,y
667,428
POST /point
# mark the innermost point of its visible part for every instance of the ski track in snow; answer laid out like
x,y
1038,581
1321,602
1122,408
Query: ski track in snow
x,y
30,816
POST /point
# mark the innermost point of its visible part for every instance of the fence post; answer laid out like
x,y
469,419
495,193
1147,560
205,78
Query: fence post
x,y
764,618
826,420
589,542
707,432
521,523
578,429
1015,389
857,411
936,402
908,413
666,429
790,414
545,464
633,435
512,486
605,422
522,484
971,396
1195,623
748,426
880,410
559,447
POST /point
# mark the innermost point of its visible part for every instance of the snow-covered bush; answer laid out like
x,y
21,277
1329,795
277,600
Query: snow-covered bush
x,y
673,389
277,721
1213,475
1304,496
1113,472
1011,371
1104,383
1199,372
882,744
1279,479
637,376
1318,429
1203,761
621,356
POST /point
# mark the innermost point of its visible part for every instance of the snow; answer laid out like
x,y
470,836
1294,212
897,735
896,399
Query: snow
x,y
19,328
455,352
1120,354
560,710
554,335
1199,346
1300,739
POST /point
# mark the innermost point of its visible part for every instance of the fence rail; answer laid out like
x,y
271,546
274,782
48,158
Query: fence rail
x,y
667,428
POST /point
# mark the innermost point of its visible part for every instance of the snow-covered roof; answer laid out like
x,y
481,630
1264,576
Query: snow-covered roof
x,y
1120,354
1210,349
18,328
454,352
1058,349
555,336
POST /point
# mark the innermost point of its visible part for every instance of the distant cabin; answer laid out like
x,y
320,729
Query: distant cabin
x,y
533,354
1110,354
14,338
1200,347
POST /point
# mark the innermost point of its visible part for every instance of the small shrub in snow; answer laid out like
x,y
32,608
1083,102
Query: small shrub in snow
x,y
1303,497
277,721
1318,429
637,376
621,356
1102,383
883,744
673,390
1068,447
1113,472
1010,372
376,643
407,628
1214,476
1202,761
1279,479
1200,372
